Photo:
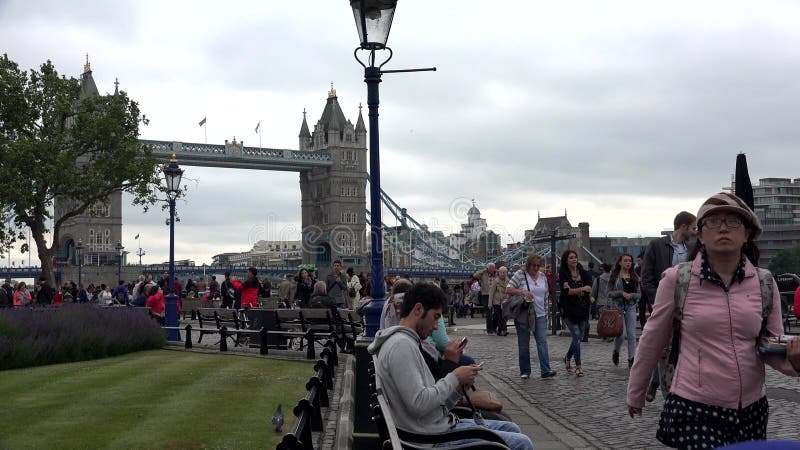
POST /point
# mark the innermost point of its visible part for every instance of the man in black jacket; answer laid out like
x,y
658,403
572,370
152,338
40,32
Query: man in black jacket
x,y
660,255
45,294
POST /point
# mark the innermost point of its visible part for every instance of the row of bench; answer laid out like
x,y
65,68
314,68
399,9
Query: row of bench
x,y
308,412
322,322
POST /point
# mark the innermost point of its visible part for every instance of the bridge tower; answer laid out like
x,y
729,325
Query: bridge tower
x,y
100,227
333,199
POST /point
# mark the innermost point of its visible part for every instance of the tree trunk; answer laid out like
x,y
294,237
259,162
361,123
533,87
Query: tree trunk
x,y
45,256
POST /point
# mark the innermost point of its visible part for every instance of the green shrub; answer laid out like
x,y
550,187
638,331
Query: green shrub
x,y
38,336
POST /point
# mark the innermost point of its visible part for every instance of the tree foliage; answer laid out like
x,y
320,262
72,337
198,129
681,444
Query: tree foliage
x,y
786,261
54,143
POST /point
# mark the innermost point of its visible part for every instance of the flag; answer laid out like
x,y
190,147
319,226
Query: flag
x,y
137,237
258,126
202,122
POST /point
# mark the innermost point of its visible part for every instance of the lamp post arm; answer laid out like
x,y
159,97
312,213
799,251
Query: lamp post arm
x,y
426,69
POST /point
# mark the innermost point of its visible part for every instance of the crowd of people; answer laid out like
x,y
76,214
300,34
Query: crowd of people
x,y
711,321
707,310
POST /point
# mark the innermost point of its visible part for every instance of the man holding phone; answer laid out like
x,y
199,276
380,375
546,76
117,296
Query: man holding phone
x,y
419,403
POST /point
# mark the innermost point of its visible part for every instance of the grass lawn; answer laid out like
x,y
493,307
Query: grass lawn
x,y
152,399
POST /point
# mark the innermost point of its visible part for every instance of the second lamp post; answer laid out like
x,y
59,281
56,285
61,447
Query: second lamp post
x,y
172,175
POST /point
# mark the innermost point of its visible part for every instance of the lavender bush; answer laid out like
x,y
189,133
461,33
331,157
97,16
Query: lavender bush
x,y
38,336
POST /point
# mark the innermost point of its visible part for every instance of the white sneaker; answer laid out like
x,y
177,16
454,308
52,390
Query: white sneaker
x,y
525,376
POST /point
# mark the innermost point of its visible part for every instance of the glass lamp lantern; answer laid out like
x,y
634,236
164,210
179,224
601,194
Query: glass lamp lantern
x,y
172,175
373,21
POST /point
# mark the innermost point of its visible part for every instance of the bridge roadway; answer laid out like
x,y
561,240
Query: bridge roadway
x,y
35,272
237,156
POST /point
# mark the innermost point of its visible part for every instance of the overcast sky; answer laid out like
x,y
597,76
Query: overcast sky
x,y
622,113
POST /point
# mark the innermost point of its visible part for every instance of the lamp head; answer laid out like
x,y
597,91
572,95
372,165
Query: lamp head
x,y
373,21
172,175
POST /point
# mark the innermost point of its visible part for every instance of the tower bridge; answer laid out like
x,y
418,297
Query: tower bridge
x,y
331,162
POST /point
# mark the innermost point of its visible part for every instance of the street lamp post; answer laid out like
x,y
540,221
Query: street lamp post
x,y
119,249
79,251
172,175
373,21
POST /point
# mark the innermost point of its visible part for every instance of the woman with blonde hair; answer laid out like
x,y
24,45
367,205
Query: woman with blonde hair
x,y
532,286
497,293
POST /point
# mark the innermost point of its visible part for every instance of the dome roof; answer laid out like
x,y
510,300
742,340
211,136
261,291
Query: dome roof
x,y
473,211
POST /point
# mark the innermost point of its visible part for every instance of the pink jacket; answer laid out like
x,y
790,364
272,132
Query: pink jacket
x,y
718,363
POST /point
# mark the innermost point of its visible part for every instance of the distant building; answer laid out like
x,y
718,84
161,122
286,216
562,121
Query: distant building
x,y
777,205
222,259
181,262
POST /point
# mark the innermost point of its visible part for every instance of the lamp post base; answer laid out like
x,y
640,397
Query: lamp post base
x,y
172,318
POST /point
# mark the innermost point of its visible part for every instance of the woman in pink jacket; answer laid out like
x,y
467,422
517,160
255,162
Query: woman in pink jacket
x,y
717,395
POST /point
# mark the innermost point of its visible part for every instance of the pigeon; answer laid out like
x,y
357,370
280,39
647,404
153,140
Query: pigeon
x,y
277,419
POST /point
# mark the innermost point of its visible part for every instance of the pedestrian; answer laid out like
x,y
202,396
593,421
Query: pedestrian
x,y
227,291
104,297
320,297
248,291
120,293
661,254
336,283
576,289
305,287
285,291
624,291
45,294
718,383
157,303
497,294
600,288
418,401
532,285
21,296
456,304
486,277
353,289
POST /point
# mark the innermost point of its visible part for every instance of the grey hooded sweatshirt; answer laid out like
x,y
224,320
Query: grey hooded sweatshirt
x,y
418,402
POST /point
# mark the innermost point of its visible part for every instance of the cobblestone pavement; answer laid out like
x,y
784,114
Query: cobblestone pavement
x,y
593,407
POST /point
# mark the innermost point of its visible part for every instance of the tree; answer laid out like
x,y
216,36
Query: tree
x,y
55,143
786,261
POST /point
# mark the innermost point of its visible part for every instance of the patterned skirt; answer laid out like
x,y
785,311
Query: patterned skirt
x,y
687,425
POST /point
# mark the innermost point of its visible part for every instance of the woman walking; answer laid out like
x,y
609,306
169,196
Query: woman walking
x,y
497,293
532,285
305,288
624,292
717,395
576,285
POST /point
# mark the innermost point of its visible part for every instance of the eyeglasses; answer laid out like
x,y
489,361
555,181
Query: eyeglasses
x,y
716,222
536,265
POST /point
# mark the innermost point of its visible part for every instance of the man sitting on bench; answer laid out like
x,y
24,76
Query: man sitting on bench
x,y
419,403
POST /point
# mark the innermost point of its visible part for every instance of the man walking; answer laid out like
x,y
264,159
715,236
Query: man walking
x,y
336,283
660,255
486,279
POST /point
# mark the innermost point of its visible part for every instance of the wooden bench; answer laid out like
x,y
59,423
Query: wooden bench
x,y
396,438
190,306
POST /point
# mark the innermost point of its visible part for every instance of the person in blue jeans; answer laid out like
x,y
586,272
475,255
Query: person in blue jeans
x,y
576,286
532,285
420,403
624,292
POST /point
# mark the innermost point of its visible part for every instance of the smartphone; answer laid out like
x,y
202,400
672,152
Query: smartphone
x,y
774,345
463,342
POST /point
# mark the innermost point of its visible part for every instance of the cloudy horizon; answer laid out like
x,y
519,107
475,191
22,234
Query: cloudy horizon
x,y
623,113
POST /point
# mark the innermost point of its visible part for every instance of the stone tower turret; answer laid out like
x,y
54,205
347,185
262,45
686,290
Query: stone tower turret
x,y
333,199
